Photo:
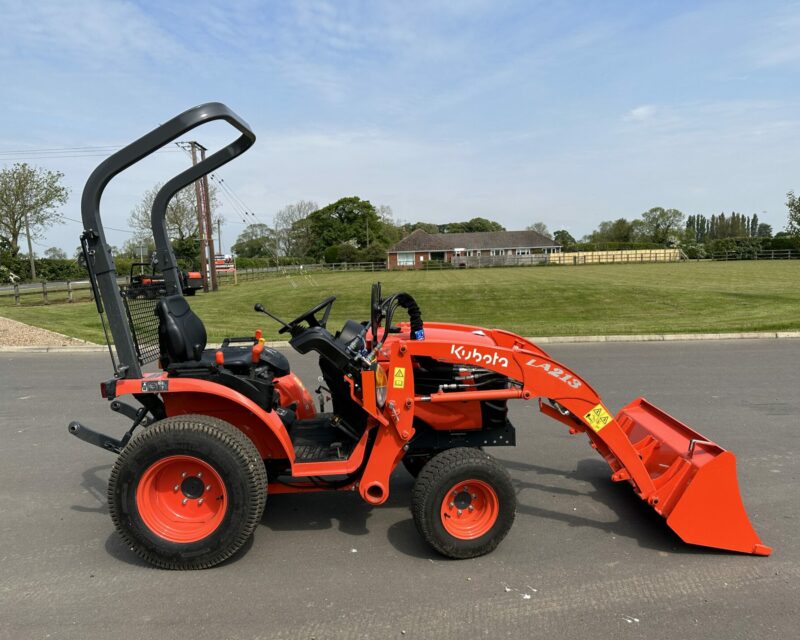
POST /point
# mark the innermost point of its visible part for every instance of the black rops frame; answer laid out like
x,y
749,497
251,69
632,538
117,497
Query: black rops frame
x,y
99,259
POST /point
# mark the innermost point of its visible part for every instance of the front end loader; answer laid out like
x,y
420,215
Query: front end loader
x,y
214,430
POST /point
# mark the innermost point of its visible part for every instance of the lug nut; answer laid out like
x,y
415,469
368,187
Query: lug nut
x,y
471,508
473,496
459,512
200,501
208,487
185,500
452,504
200,475
176,487
183,475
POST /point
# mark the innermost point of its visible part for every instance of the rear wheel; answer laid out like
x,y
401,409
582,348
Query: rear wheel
x,y
187,492
463,503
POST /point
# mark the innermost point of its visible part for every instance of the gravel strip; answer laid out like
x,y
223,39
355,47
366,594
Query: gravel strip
x,y
18,334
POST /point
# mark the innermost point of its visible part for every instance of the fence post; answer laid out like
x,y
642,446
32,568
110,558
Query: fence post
x,y
16,294
69,291
44,292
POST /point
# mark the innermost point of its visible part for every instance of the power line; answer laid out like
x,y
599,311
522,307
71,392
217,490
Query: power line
x,y
57,153
225,191
105,226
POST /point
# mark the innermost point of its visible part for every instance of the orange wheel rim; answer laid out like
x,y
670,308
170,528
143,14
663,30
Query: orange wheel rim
x,y
469,509
181,499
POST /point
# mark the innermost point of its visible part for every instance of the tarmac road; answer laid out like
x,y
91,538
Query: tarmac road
x,y
585,558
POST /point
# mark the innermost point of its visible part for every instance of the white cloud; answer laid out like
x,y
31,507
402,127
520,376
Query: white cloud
x,y
642,113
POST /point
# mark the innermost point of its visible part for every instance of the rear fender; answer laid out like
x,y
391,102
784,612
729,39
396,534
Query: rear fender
x,y
192,396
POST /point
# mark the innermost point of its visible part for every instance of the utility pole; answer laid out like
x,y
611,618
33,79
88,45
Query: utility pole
x,y
212,263
30,247
201,222
219,235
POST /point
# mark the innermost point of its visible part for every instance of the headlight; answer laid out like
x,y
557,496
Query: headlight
x,y
381,385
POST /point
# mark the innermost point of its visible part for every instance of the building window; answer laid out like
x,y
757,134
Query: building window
x,y
523,252
405,259
498,252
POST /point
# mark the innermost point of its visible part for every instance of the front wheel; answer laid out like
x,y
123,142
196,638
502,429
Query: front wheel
x,y
187,492
463,503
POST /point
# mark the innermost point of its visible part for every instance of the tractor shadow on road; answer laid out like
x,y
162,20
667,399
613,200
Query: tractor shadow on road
x,y
326,509
635,519
95,481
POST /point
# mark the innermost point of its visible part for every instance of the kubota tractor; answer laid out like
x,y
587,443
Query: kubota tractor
x,y
213,431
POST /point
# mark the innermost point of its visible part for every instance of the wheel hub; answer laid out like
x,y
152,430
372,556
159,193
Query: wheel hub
x,y
462,500
470,509
192,487
181,498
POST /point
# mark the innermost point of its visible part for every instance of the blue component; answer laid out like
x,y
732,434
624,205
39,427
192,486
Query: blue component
x,y
419,334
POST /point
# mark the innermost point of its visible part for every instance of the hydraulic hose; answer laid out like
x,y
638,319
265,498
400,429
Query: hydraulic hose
x,y
414,315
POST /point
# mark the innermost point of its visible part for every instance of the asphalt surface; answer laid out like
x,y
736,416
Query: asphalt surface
x,y
585,557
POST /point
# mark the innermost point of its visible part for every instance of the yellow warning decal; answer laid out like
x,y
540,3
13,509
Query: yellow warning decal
x,y
399,377
598,417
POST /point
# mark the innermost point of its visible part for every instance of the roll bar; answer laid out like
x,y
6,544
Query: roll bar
x,y
100,260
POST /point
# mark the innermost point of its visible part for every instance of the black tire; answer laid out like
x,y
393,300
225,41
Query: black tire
x,y
446,472
190,292
222,448
415,463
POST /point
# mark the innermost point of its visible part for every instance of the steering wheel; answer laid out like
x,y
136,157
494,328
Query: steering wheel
x,y
310,316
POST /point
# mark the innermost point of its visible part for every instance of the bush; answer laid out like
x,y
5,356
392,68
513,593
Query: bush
x,y
694,250
736,248
782,243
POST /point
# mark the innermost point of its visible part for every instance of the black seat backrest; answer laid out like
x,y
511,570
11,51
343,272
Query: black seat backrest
x,y
181,334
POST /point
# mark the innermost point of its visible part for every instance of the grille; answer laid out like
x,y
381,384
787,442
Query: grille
x,y
140,305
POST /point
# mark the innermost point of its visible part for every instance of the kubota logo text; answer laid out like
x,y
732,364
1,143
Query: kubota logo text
x,y
478,357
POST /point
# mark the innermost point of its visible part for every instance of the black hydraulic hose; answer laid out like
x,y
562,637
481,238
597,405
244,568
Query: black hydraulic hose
x,y
406,301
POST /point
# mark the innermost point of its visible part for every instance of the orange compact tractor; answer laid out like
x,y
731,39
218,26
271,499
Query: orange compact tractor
x,y
215,430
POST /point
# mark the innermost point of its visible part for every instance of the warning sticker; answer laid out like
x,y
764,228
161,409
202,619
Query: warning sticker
x,y
597,417
399,377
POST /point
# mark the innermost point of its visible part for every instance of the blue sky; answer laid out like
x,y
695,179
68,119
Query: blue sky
x,y
564,112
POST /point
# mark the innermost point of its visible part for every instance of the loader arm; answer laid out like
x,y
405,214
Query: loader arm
x,y
684,476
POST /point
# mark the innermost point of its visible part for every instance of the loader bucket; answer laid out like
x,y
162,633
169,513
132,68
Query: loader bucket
x,y
695,480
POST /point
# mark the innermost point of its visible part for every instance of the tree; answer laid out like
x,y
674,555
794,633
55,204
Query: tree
x,y
793,221
474,225
293,233
29,201
541,229
764,230
565,239
427,227
256,241
348,220
619,230
54,253
139,250
661,225
181,213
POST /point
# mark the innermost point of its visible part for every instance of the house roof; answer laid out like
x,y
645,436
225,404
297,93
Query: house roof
x,y
420,240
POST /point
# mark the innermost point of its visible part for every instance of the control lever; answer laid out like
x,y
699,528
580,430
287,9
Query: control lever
x,y
260,309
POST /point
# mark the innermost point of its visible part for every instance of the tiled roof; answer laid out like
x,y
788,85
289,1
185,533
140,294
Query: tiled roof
x,y
420,240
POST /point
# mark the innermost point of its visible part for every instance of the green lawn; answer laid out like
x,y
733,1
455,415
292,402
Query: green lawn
x,y
607,299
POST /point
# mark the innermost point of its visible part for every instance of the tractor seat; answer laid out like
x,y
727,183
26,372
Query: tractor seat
x,y
182,338
181,334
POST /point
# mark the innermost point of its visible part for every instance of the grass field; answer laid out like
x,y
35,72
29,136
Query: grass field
x,y
607,299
